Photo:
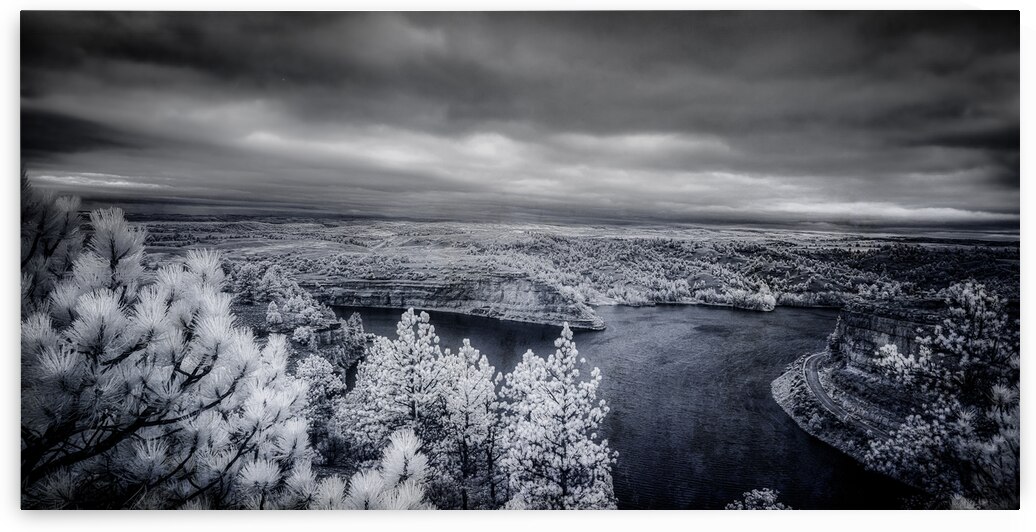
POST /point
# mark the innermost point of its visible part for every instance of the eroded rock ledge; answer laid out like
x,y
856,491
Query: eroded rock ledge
x,y
851,379
499,296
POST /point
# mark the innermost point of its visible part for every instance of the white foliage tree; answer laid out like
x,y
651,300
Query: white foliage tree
x,y
304,335
398,385
274,320
245,279
324,387
759,499
554,458
50,242
470,446
139,391
396,483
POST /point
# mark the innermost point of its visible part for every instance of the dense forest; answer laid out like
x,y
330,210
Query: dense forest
x,y
755,270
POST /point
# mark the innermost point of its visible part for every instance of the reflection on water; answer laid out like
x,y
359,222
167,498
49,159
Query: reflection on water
x,y
691,413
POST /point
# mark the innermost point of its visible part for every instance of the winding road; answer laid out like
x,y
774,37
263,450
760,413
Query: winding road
x,y
809,372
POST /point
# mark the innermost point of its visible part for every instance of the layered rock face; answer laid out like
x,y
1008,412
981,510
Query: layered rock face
x,y
864,327
501,296
849,377
329,336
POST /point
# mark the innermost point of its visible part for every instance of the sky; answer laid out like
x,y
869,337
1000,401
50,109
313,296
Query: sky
x,y
807,119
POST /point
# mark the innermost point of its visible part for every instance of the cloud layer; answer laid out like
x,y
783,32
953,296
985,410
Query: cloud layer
x,y
895,119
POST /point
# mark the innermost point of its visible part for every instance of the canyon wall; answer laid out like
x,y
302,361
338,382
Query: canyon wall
x,y
492,295
863,327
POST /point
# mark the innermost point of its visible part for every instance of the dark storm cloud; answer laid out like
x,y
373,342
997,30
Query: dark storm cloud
x,y
873,118
45,133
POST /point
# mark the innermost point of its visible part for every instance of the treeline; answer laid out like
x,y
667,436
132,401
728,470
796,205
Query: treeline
x,y
751,273
721,267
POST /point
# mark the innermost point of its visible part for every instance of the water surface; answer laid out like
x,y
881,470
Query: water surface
x,y
691,413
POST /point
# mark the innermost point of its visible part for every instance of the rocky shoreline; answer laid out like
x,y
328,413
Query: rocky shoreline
x,y
849,378
794,397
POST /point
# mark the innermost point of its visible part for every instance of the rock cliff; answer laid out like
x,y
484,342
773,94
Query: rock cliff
x,y
849,378
863,327
493,295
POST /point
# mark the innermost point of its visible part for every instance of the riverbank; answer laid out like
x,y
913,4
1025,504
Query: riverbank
x,y
794,396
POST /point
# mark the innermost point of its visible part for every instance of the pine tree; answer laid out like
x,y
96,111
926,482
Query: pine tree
x,y
554,458
354,341
324,387
398,385
397,483
246,279
274,320
272,285
51,241
470,427
139,390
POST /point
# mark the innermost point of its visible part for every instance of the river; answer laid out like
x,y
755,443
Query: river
x,y
691,413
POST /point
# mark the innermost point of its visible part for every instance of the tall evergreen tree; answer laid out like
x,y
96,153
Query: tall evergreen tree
x,y
470,427
398,385
554,458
